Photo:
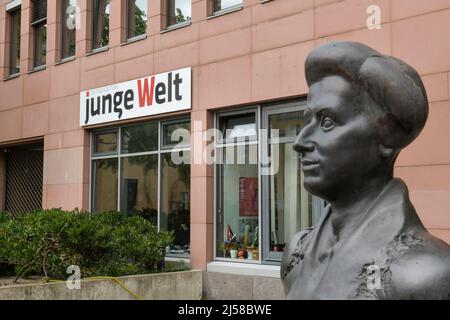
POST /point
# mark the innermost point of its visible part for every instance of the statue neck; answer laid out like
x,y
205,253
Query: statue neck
x,y
349,210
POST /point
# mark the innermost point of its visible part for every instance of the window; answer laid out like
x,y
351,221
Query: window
x,y
68,28
100,24
137,171
178,11
257,210
136,18
221,5
39,26
14,42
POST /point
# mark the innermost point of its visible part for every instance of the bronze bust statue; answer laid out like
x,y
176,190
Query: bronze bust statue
x,y
363,108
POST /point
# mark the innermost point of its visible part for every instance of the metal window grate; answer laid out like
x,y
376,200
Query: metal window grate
x,y
24,172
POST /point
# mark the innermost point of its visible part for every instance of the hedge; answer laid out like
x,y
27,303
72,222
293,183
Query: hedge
x,y
46,242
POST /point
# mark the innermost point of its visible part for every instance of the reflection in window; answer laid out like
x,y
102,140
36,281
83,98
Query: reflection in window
x,y
100,23
105,142
140,138
39,26
14,34
225,4
139,186
238,127
105,185
176,133
237,216
178,11
136,18
154,181
175,200
68,28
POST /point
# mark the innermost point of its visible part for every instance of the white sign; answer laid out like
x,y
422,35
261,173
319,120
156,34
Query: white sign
x,y
157,94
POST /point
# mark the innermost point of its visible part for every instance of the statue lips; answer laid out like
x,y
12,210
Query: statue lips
x,y
308,164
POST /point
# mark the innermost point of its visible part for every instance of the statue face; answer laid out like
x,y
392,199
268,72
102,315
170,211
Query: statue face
x,y
339,146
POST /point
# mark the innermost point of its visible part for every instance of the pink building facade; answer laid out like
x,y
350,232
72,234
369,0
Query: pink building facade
x,y
246,60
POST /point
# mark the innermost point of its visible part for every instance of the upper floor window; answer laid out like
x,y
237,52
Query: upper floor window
x,y
39,26
14,41
220,5
100,23
136,18
68,28
178,11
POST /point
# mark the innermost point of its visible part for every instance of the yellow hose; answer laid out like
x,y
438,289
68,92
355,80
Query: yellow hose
x,y
135,295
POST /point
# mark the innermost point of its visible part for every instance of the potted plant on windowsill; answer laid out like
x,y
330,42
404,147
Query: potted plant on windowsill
x,y
233,248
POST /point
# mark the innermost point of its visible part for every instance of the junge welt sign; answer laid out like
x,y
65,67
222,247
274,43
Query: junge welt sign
x,y
157,94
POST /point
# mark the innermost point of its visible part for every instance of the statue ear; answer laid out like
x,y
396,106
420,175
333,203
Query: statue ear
x,y
386,151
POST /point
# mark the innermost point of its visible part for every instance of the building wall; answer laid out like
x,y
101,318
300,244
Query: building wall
x,y
252,55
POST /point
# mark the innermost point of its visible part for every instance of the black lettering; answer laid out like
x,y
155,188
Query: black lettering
x,y
169,87
177,83
117,103
95,110
106,98
129,97
160,91
87,112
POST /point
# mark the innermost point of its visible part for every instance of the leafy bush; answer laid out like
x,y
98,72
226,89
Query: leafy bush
x,y
101,244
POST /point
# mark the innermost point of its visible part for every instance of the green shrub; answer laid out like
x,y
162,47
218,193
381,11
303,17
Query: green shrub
x,y
101,244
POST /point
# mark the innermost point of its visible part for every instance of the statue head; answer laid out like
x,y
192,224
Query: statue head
x,y
363,108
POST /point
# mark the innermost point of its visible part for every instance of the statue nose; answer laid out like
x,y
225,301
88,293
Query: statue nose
x,y
301,145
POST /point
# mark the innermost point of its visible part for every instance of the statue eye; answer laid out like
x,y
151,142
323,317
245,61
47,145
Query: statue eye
x,y
327,124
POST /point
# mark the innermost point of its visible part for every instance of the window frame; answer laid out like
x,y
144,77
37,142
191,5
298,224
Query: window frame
x,y
36,25
63,31
220,143
133,38
119,155
229,9
262,112
94,29
11,52
177,24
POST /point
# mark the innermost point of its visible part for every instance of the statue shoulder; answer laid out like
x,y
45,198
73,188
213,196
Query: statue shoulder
x,y
423,273
293,252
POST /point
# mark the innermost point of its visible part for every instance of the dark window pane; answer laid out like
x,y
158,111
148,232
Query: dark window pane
x,y
178,11
40,44
68,28
105,143
176,133
100,23
14,58
105,185
225,4
136,18
140,138
139,186
175,201
39,10
238,127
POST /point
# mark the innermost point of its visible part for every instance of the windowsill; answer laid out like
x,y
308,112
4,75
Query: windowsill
x,y
177,26
65,60
175,259
12,76
225,11
98,50
37,69
245,269
134,39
